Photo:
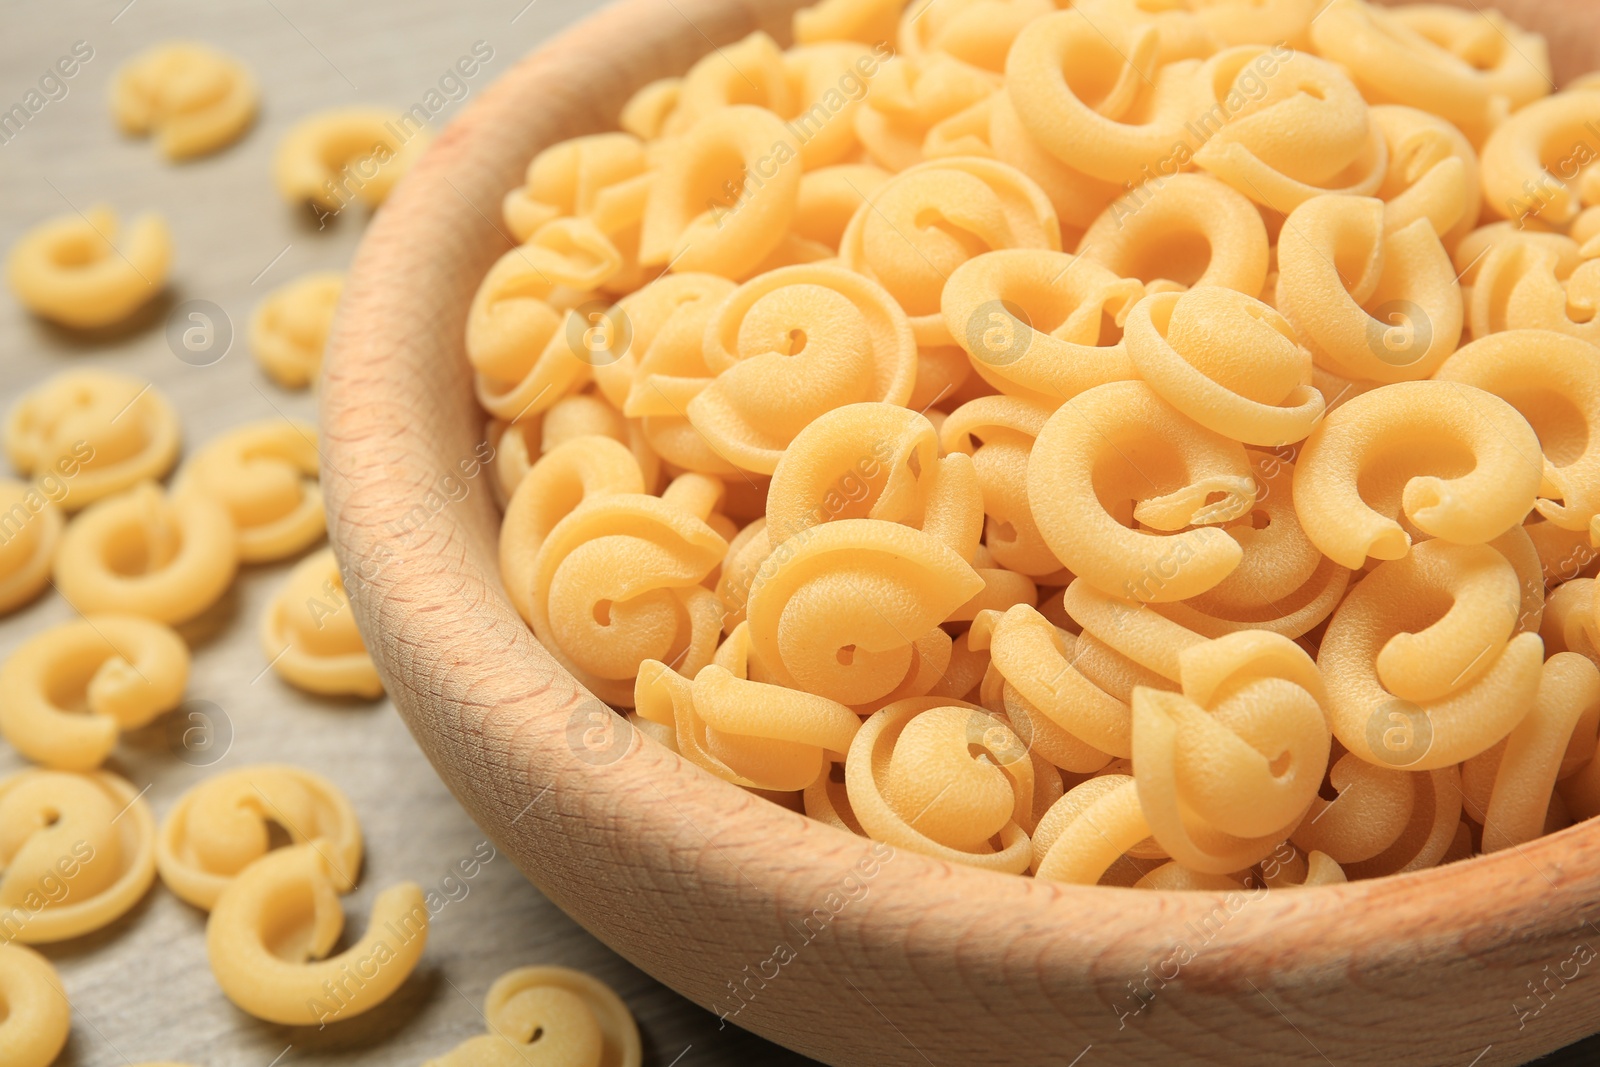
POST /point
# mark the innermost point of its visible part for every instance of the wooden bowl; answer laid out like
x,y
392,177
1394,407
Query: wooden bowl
x,y
845,951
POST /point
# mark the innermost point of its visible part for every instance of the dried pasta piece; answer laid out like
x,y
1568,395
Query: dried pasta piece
x,y
1306,869
289,327
618,581
830,198
77,851
553,1016
526,342
649,110
866,21
332,157
830,83
220,827
1422,660
1383,821
1307,133
1180,232
1571,621
749,72
976,32
1077,197
931,218
850,610
1064,716
30,530
1394,311
875,461
125,670
265,474
568,177
1095,826
1034,322
144,553
562,479
194,98
1123,442
1554,382
73,269
35,1018
1539,161
1282,584
1533,281
750,733
787,347
946,779
1097,97
1563,554
310,637
1433,173
742,160
1527,764
1226,360
1364,466
1469,69
1227,768
98,431
295,982
1174,875
998,433
909,97
1233,22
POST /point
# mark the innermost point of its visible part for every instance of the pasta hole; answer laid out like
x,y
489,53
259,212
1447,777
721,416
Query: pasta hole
x,y
538,1032
1315,92
797,342
278,836
914,465
1004,531
602,612
932,218
1280,766
1580,313
1212,499
50,817
1260,520
846,655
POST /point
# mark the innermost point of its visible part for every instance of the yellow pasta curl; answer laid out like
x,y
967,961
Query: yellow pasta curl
x,y
102,432
617,581
1226,360
1118,445
916,780
791,345
1227,768
1423,661
929,219
1391,313
125,670
1454,461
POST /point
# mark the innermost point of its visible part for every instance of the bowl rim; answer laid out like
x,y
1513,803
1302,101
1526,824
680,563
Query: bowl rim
x,y
495,713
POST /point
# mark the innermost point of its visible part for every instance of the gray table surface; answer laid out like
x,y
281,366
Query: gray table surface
x,y
141,989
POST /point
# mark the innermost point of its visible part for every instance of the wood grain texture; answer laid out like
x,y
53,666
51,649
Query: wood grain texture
x,y
141,989
697,882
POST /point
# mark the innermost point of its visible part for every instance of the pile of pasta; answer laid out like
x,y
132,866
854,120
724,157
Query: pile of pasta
x,y
138,560
1145,445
